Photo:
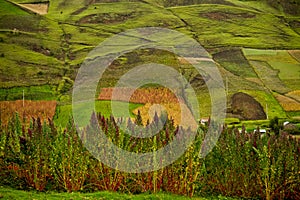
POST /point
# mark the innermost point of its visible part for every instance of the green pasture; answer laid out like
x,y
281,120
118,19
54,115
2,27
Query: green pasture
x,y
294,114
27,76
232,121
287,70
8,193
250,125
64,112
16,52
258,52
223,25
269,55
61,9
236,83
276,64
9,9
269,76
234,61
204,103
139,15
42,92
253,124
261,6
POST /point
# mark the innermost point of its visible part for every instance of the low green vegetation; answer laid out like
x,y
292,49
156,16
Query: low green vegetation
x,y
252,125
269,77
224,25
232,121
42,92
287,70
294,114
280,63
10,9
234,61
11,194
64,112
261,6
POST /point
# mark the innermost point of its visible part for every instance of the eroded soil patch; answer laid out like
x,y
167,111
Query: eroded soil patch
x,y
222,16
107,18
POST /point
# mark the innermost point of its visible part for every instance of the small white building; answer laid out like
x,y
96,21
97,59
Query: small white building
x,y
204,121
285,123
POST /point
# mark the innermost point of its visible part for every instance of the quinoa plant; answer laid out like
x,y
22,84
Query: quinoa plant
x,y
41,156
69,160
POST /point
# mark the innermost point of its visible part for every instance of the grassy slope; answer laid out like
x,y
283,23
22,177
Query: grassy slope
x,y
222,25
68,37
10,9
27,58
42,92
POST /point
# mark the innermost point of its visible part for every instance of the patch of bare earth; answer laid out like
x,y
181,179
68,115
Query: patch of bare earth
x,y
39,8
107,18
221,16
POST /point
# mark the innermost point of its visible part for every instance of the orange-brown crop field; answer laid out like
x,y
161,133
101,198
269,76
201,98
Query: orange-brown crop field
x,y
287,103
294,94
155,99
28,109
140,95
180,113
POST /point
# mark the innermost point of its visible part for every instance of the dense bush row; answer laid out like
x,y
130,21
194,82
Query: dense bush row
x,y
43,157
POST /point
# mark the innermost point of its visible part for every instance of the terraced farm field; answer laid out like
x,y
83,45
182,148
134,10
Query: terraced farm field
x,y
286,65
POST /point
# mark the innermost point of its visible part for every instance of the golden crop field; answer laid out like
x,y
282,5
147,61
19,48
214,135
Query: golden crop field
x,y
155,100
27,109
180,113
294,94
140,95
287,103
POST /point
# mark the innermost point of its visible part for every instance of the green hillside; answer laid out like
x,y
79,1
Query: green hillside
x,y
255,43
